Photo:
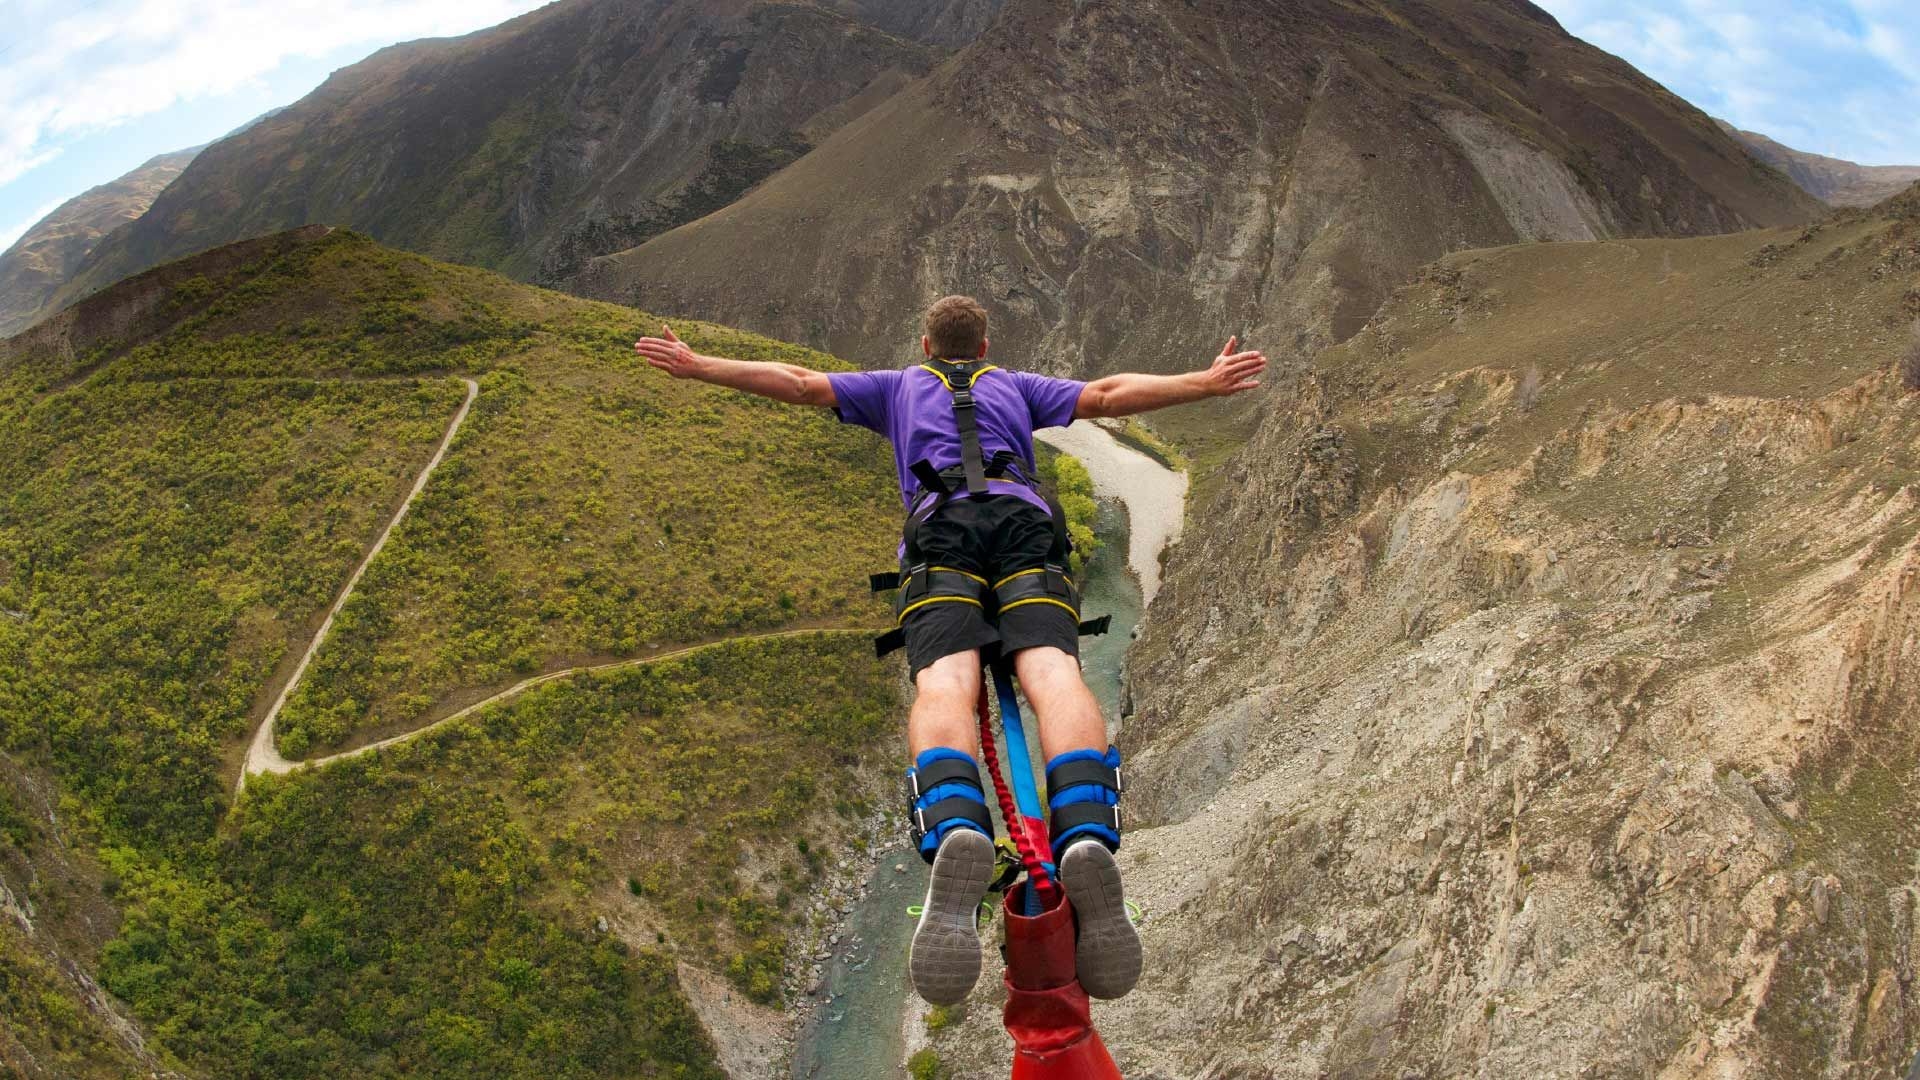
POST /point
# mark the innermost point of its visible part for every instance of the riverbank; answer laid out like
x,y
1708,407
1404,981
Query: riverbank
x,y
1155,496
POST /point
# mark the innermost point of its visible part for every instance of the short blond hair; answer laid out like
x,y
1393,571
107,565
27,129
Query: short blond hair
x,y
957,327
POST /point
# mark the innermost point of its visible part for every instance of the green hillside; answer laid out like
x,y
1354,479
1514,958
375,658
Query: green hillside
x,y
194,463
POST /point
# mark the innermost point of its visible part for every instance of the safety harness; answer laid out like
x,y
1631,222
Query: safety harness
x,y
919,584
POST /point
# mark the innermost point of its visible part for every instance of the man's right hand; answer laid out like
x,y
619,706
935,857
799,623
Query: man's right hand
x,y
670,354
1233,372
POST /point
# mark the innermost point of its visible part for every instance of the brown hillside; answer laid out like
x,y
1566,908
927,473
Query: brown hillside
x,y
1129,180
35,267
1559,714
951,23
572,131
1831,180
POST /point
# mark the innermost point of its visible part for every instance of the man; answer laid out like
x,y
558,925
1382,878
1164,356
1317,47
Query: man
x,y
983,563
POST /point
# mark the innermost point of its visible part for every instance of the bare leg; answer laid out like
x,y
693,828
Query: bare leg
x,y
944,960
946,693
1069,716
1107,953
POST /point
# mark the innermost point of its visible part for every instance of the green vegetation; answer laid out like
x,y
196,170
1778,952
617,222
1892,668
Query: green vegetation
x,y
925,1065
162,545
1072,485
40,1009
429,910
177,511
1134,432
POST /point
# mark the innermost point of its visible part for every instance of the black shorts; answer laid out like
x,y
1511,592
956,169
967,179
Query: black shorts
x,y
993,538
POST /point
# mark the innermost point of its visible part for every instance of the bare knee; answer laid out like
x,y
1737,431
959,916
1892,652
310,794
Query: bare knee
x,y
1070,716
949,679
944,695
1047,667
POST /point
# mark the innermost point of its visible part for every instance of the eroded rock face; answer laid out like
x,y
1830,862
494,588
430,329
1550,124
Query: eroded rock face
x,y
1125,183
1541,700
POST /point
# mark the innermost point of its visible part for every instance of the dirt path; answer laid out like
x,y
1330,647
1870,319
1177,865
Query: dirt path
x,y
261,755
272,762
1154,495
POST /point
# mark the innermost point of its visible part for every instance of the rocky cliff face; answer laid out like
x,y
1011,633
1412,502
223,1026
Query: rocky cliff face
x,y
43,259
1557,716
578,129
1831,180
1127,181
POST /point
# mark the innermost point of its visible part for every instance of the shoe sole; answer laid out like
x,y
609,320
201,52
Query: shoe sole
x,y
944,960
1108,955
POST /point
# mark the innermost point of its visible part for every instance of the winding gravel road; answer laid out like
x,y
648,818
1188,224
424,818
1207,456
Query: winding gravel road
x,y
262,756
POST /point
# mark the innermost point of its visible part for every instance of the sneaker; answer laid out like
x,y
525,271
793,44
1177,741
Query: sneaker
x,y
945,959
1108,954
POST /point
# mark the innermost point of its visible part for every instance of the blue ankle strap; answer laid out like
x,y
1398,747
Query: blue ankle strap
x,y
956,800
1093,784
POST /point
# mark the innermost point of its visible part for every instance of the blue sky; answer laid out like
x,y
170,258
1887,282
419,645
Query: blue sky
x,y
89,89
1836,77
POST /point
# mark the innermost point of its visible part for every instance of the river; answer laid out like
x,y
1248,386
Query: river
x,y
861,1032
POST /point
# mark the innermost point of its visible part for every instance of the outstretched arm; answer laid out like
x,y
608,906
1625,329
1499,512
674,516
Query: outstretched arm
x,y
1124,395
790,383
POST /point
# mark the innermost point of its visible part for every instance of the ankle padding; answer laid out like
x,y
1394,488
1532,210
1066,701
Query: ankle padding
x,y
1083,790
944,793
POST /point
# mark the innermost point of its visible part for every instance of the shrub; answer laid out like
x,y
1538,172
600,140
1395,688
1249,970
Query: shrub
x,y
925,1065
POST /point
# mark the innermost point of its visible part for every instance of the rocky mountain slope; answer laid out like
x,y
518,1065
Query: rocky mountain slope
x,y
1560,714
576,130
1831,180
197,459
949,23
47,255
1127,180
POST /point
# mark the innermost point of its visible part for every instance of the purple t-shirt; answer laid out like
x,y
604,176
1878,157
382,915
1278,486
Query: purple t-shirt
x,y
914,410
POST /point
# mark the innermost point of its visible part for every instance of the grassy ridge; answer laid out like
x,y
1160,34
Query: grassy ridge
x,y
178,510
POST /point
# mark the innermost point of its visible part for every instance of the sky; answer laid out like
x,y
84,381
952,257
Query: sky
x,y
1835,77
89,89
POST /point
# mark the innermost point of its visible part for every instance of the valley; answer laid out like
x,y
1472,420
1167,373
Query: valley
x,y
398,678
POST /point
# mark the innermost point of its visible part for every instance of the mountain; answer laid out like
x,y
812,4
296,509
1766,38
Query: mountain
x,y
1543,695
1128,182
575,130
1831,180
948,23
46,256
687,728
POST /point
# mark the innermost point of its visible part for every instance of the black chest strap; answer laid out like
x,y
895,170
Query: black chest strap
x,y
960,377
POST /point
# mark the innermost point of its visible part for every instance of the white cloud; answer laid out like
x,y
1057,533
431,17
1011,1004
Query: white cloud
x,y
80,69
11,235
1838,77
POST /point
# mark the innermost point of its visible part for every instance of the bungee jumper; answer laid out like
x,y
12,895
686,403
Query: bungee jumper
x,y
984,586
